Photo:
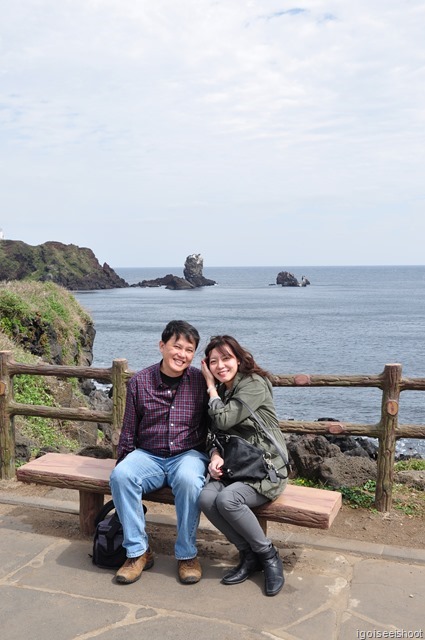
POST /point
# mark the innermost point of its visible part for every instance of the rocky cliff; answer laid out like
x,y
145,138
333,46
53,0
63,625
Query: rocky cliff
x,y
47,321
72,267
44,322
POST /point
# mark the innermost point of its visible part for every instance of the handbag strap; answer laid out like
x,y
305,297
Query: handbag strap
x,y
261,424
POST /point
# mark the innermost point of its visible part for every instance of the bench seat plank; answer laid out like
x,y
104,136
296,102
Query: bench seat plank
x,y
68,471
303,506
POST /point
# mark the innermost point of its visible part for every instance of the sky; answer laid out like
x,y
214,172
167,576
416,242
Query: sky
x,y
256,132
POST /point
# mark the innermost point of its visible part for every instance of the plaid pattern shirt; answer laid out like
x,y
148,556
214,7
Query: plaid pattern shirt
x,y
163,421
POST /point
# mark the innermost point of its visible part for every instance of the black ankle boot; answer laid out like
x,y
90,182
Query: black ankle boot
x,y
273,571
249,564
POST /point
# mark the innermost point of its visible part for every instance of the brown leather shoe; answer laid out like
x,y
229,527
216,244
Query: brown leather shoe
x,y
132,568
190,571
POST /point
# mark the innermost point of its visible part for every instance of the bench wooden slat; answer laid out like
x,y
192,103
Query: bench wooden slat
x,y
68,471
303,506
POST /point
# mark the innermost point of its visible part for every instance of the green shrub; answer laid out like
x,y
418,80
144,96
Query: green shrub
x,y
48,309
34,390
46,435
12,310
33,312
360,496
413,464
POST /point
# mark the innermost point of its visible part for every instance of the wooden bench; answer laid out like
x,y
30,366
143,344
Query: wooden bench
x,y
303,506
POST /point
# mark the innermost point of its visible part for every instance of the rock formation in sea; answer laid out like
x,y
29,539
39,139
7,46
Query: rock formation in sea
x,y
193,268
193,277
72,267
287,279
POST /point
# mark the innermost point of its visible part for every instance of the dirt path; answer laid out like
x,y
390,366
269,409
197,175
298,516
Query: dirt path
x,y
394,528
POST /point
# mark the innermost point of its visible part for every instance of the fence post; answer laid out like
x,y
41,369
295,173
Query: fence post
x,y
119,393
387,437
7,431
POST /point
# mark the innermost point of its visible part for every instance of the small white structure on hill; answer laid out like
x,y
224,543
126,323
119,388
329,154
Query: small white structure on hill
x,y
1,234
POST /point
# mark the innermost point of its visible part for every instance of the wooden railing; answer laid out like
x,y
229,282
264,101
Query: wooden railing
x,y
387,430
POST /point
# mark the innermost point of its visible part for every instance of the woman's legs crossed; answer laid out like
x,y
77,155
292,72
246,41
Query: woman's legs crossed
x,y
229,510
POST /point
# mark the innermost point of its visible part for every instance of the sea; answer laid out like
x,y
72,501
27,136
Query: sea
x,y
349,320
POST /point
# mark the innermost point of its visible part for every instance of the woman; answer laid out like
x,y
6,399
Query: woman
x,y
228,505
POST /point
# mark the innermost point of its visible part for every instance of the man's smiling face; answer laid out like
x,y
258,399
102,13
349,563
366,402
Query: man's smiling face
x,y
177,355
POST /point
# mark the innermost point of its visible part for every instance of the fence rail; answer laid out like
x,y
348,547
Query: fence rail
x,y
387,430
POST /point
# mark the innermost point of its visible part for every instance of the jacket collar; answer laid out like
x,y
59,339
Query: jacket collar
x,y
237,380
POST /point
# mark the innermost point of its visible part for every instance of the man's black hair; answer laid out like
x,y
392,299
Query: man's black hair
x,y
180,328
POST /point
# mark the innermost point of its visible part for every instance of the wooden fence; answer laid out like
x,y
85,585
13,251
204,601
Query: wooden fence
x,y
387,430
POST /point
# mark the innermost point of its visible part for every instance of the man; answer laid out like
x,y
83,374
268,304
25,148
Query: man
x,y
162,443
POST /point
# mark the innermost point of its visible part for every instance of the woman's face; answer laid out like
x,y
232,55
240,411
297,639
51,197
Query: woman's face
x,y
223,364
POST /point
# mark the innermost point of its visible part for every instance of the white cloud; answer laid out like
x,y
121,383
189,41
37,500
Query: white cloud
x,y
203,114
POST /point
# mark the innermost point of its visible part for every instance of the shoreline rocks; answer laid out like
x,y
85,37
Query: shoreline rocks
x,y
193,277
286,279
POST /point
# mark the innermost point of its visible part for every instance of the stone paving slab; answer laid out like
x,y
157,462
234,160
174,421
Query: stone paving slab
x,y
50,590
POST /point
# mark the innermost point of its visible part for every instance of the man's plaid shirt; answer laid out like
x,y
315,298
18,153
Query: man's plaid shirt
x,y
162,421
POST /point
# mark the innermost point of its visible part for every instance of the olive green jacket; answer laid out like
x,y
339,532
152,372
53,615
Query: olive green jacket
x,y
231,416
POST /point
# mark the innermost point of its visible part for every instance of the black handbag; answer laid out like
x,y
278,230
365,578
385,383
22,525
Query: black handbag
x,y
243,460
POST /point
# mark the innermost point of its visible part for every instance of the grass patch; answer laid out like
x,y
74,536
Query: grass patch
x,y
363,496
413,464
32,390
43,431
46,435
406,499
36,314
39,312
303,482
409,500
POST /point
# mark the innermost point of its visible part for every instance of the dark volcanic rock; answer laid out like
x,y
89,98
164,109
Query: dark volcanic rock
x,y
23,447
412,478
39,337
156,282
96,451
318,459
346,471
352,446
169,282
72,267
287,279
193,268
177,283
193,277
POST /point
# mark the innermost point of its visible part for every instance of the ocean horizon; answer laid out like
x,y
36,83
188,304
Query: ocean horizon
x,y
349,320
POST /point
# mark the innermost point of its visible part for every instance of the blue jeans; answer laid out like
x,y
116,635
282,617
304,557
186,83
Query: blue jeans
x,y
141,472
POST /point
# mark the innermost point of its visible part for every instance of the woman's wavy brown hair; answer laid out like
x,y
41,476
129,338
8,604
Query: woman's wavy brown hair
x,y
225,344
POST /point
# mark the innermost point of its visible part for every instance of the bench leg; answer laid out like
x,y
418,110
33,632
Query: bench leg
x,y
90,505
263,524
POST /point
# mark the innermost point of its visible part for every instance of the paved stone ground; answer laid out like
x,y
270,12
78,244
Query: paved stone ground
x,y
338,590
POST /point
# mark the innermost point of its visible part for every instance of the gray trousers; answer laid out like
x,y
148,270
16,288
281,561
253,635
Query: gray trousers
x,y
229,510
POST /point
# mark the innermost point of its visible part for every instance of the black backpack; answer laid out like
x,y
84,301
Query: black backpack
x,y
108,551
